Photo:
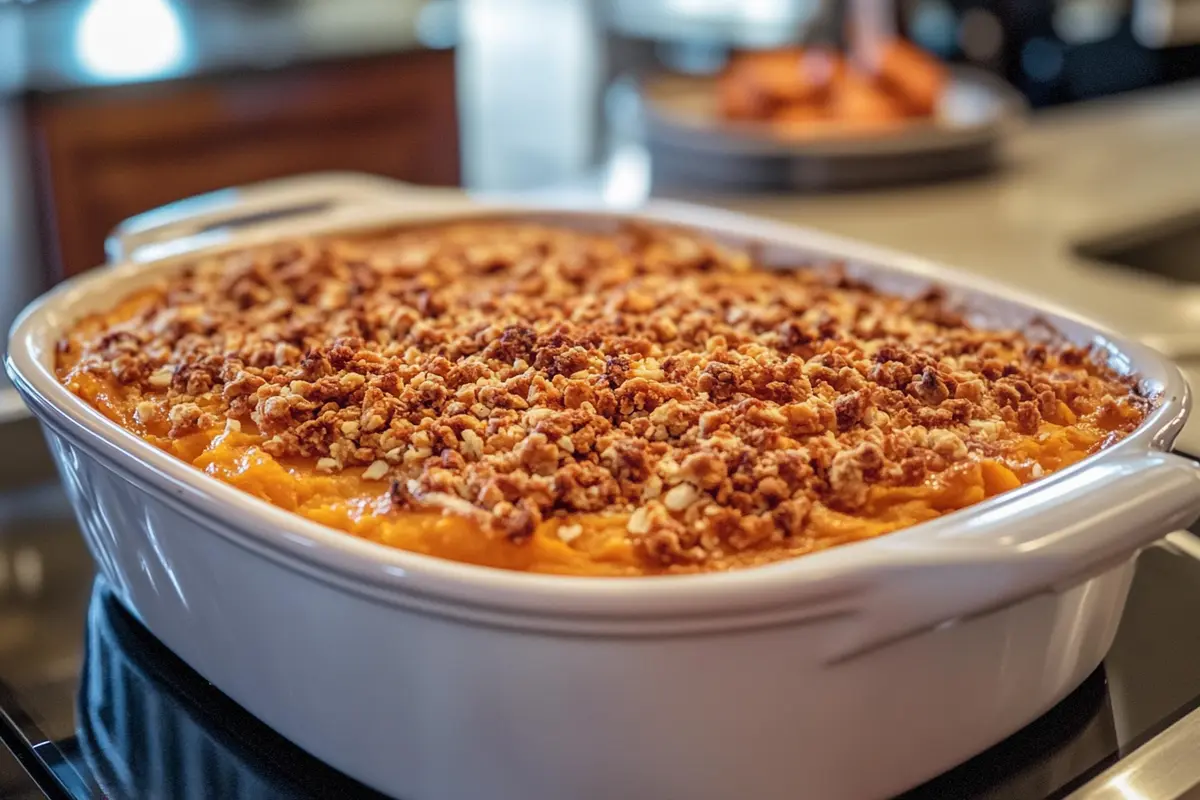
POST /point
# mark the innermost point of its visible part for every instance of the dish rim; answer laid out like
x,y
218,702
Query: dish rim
x,y
265,528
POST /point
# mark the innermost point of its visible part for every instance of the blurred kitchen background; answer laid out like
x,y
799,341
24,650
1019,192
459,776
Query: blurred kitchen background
x,y
112,107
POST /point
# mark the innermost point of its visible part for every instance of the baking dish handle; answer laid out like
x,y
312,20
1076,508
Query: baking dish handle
x,y
194,222
1048,537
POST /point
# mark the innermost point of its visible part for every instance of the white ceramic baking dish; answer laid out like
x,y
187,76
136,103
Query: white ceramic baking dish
x,y
853,673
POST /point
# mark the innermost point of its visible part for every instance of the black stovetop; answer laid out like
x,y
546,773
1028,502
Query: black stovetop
x,y
93,706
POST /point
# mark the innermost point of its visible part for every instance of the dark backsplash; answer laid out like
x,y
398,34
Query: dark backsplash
x,y
1062,51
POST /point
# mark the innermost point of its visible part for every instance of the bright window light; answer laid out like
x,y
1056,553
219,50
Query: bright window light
x,y
130,39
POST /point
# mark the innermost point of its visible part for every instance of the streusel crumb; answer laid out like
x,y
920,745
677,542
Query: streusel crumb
x,y
521,375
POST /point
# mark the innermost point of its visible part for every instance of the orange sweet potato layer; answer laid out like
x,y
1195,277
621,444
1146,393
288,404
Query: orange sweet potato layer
x,y
349,503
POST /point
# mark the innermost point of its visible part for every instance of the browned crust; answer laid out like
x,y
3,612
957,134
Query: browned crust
x,y
517,372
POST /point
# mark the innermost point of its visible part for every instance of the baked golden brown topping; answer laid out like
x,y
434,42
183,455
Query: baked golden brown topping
x,y
532,378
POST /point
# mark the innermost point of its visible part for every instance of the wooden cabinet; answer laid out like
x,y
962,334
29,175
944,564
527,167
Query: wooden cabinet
x,y
104,154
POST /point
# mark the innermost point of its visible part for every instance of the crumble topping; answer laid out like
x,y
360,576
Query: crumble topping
x,y
515,373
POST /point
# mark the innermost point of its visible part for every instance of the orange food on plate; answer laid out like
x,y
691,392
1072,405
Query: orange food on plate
x,y
775,78
789,87
742,99
911,76
803,121
858,101
545,399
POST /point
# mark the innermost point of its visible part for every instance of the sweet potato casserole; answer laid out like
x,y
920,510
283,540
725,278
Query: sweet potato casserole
x,y
540,398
